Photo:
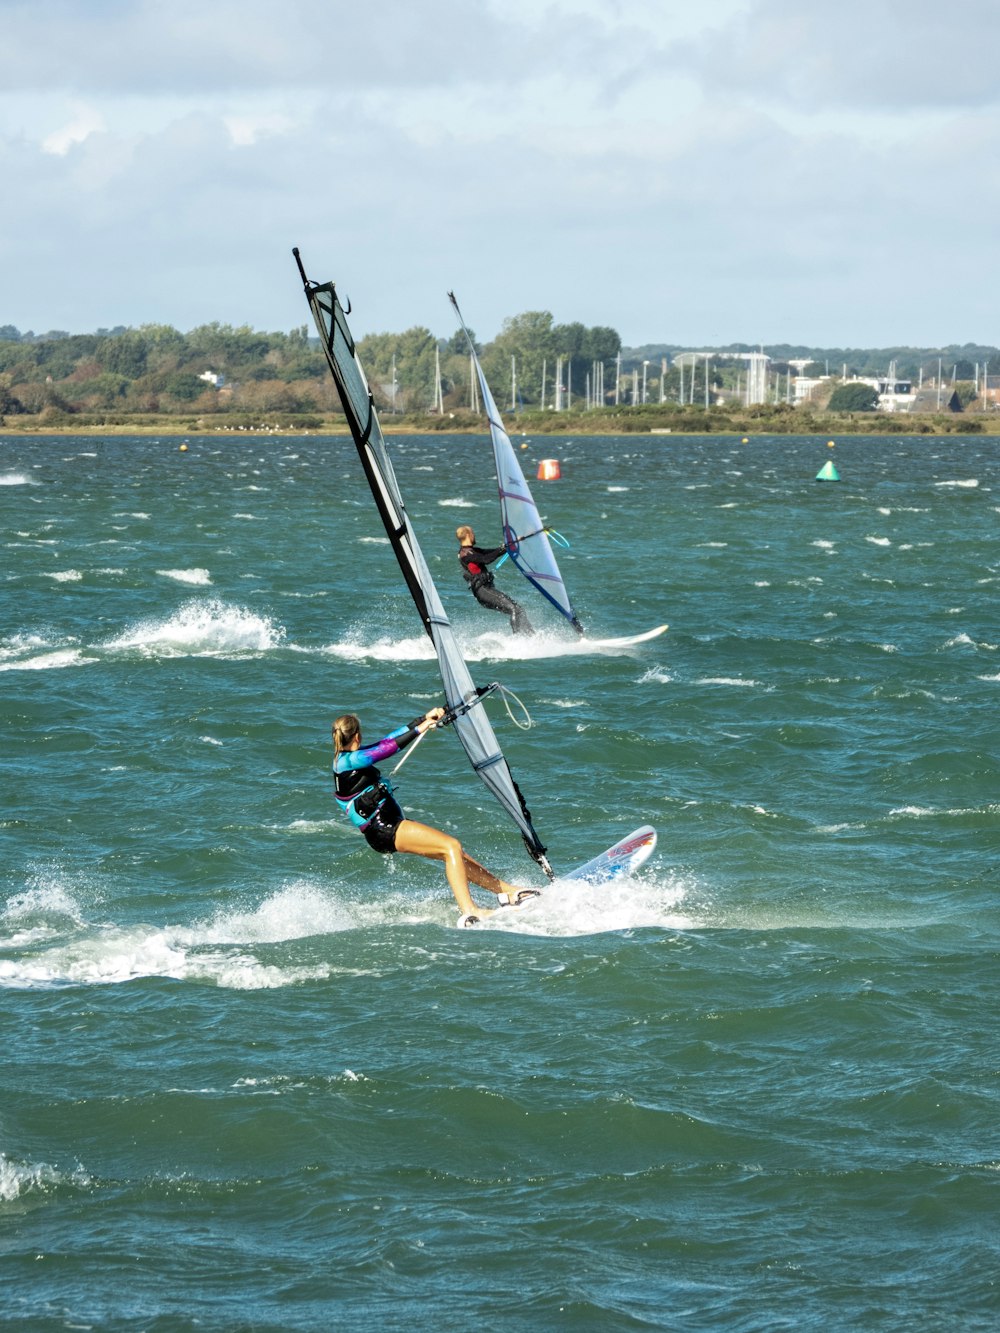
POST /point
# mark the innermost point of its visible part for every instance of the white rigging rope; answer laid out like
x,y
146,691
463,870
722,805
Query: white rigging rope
x,y
507,695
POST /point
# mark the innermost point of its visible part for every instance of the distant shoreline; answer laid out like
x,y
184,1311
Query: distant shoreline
x,y
876,425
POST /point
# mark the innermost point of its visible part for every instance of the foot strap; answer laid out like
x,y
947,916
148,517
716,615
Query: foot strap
x,y
518,898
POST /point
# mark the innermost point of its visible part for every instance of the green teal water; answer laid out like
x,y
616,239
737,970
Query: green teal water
x,y
254,1078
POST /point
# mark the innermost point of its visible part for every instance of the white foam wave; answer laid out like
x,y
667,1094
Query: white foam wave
x,y
36,914
46,898
355,649
219,951
929,812
616,490
201,629
970,483
825,546
657,675
457,504
879,541
295,912
49,661
568,907
20,1178
65,576
728,680
16,479
967,641
198,576
488,646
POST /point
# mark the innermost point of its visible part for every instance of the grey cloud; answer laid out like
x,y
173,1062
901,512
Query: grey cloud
x,y
722,225
893,55
146,46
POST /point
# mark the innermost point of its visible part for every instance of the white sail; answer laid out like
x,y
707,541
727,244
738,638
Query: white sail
x,y
524,533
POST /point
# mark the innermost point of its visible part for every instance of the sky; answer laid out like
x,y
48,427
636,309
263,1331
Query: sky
x,y
771,171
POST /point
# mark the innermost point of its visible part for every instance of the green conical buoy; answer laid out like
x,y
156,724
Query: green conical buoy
x,y
828,472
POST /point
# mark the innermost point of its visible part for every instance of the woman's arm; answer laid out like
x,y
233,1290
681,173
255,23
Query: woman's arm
x,y
487,557
368,755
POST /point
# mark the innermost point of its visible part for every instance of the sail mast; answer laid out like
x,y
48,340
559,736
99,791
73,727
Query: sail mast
x,y
463,699
524,533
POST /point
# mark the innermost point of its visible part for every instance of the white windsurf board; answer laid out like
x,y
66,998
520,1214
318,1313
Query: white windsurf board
x,y
620,860
627,640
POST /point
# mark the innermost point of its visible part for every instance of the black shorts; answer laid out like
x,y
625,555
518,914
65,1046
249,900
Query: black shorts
x,y
380,831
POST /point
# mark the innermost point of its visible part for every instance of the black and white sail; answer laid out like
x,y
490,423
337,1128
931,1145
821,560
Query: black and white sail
x,y
463,699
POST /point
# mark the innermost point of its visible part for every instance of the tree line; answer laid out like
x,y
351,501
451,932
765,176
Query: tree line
x,y
239,373
218,369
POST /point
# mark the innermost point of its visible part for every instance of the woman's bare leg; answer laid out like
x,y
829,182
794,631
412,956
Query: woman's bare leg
x,y
422,840
485,878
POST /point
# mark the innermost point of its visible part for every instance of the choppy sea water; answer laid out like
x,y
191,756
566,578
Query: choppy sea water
x,y
254,1078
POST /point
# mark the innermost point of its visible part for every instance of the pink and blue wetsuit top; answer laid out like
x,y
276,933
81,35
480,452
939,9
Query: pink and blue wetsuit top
x,y
356,776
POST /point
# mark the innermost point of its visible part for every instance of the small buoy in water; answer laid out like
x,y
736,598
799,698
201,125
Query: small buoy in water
x,y
744,440
183,448
548,470
828,472
524,446
830,444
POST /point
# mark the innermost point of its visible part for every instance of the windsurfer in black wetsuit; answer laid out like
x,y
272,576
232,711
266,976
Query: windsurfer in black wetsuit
x,y
474,561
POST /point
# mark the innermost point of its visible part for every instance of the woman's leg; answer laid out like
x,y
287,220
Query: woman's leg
x,y
519,621
500,601
422,840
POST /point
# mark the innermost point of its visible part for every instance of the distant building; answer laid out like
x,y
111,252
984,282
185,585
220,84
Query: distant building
x,y
934,398
804,386
210,377
894,394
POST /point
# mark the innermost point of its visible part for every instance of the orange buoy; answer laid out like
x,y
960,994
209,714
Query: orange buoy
x,y
548,470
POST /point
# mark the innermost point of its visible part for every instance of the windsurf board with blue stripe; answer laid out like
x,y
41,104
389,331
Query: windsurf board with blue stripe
x,y
619,861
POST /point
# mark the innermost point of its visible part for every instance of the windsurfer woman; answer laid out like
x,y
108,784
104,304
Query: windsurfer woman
x,y
474,560
366,797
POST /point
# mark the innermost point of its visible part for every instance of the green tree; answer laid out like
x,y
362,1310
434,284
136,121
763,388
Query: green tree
x,y
853,397
415,360
105,390
528,339
183,385
10,405
124,355
222,347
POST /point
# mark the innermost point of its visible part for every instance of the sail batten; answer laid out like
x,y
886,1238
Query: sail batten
x,y
524,533
462,697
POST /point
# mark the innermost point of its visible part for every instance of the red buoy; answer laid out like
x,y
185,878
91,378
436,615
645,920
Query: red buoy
x,y
548,470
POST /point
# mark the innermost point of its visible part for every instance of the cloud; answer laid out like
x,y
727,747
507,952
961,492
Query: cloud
x,y
86,120
145,46
596,159
895,55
